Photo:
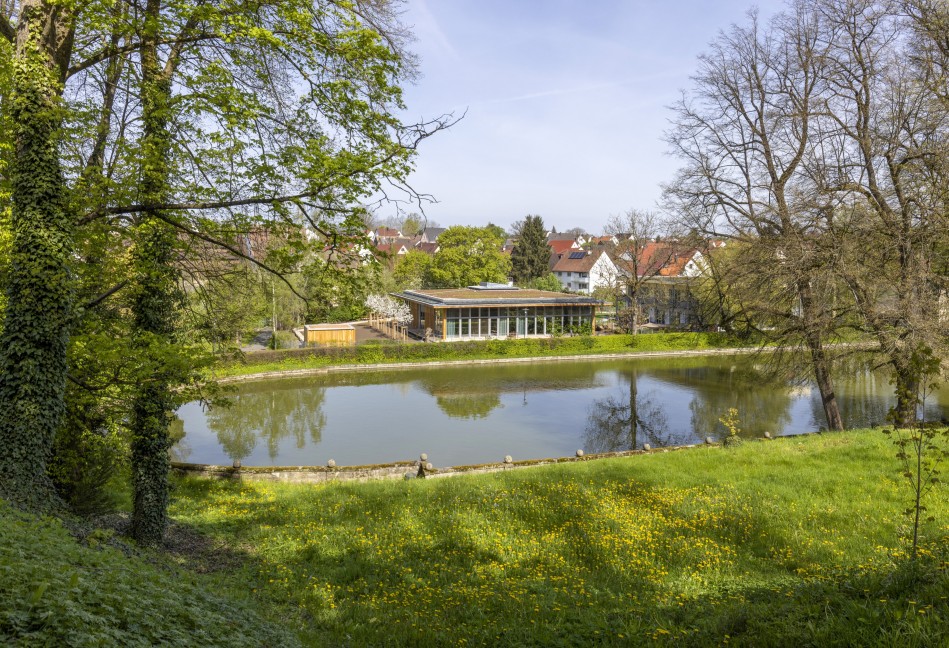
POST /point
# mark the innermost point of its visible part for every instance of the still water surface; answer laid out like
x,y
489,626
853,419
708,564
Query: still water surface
x,y
479,414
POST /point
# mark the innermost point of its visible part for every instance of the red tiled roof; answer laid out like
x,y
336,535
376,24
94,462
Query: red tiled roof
x,y
427,248
661,258
582,264
601,240
560,246
390,248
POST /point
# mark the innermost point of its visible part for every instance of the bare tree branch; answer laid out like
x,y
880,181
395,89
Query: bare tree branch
x,y
101,298
230,248
114,50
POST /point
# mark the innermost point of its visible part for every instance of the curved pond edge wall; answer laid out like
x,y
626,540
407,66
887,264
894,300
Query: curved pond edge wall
x,y
406,469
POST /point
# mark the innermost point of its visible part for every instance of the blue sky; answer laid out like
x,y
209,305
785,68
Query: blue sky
x,y
566,103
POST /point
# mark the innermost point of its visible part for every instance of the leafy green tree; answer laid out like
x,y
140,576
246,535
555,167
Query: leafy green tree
x,y
530,258
156,294
338,296
412,269
548,281
209,114
412,225
468,256
496,230
224,309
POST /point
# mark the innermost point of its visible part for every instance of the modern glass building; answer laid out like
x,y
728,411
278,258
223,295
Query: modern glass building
x,y
497,311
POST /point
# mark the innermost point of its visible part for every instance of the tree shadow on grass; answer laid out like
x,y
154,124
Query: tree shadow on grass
x,y
563,573
901,605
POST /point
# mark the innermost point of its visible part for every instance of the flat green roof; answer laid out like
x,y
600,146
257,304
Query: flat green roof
x,y
469,297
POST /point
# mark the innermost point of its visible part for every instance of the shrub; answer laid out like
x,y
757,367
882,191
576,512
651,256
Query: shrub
x,y
732,428
284,340
87,458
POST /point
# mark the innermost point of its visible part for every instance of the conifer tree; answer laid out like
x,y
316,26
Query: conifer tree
x,y
530,258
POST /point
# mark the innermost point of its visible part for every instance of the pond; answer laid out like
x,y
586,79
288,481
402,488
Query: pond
x,y
480,413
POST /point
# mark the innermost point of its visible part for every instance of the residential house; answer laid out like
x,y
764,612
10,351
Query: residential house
x,y
609,242
560,247
668,271
579,239
431,234
583,271
382,235
392,250
427,247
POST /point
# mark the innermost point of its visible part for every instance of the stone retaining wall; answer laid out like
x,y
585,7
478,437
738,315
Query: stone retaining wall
x,y
397,470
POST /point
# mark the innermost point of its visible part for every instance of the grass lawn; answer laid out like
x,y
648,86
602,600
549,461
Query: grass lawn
x,y
793,542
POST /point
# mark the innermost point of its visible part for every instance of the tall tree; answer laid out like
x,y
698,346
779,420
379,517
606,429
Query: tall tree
x,y
156,294
412,270
645,248
530,258
745,134
279,110
467,256
264,127
884,173
40,289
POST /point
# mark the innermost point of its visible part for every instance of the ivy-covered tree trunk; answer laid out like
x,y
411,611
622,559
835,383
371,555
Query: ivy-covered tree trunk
x,y
40,291
154,307
156,298
907,396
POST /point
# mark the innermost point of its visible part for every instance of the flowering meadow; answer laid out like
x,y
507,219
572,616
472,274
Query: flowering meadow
x,y
797,541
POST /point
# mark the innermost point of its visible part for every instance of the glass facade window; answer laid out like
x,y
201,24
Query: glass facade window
x,y
501,322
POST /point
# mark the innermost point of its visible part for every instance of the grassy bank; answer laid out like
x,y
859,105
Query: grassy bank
x,y
786,543
57,590
373,353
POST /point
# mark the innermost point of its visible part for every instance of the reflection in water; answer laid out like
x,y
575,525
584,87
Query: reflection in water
x,y
624,421
463,415
868,399
180,449
463,393
763,406
272,411
469,406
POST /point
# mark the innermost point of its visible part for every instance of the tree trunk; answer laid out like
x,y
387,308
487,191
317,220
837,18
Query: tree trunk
x,y
907,394
811,317
633,410
825,385
40,289
634,308
156,298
